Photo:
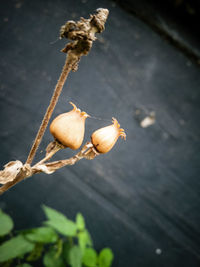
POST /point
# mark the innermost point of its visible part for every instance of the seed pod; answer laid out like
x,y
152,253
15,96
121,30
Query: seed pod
x,y
69,128
105,138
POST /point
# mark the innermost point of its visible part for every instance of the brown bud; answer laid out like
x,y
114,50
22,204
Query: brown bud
x,y
69,128
105,138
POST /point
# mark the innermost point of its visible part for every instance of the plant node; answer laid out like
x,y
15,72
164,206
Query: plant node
x,y
82,33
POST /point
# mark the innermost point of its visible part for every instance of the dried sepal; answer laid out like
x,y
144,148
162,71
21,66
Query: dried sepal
x,y
53,147
81,113
11,170
82,32
121,132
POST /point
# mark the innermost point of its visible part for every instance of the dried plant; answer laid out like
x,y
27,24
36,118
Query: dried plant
x,y
67,128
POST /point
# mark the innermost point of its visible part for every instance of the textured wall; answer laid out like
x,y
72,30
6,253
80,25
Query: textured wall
x,y
144,194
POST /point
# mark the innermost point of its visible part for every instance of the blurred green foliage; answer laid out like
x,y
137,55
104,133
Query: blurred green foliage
x,y
59,242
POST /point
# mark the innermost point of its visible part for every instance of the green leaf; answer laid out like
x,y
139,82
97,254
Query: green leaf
x,y
60,222
90,257
75,257
50,260
42,235
67,228
15,247
105,257
80,222
6,223
84,240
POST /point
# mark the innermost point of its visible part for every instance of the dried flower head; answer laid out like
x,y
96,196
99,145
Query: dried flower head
x,y
105,138
69,128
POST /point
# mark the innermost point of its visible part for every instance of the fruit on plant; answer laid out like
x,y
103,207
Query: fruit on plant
x,y
69,128
105,138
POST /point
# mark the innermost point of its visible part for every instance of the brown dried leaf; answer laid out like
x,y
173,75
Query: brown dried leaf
x,y
11,170
43,168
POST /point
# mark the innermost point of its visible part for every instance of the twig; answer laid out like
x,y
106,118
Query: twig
x,y
66,69
83,34
51,149
25,171
88,152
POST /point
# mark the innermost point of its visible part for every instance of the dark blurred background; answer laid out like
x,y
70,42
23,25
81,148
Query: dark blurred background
x,y
142,198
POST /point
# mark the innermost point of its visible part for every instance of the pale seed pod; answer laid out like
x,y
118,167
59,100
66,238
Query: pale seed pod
x,y
69,128
105,138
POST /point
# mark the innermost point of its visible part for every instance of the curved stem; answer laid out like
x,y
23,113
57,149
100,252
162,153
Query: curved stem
x,y
79,47
87,152
69,65
50,154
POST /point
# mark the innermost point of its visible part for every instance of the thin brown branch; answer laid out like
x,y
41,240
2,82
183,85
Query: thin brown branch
x,y
66,69
51,149
87,152
82,33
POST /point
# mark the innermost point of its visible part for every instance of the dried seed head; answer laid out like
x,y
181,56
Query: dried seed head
x,y
105,138
69,128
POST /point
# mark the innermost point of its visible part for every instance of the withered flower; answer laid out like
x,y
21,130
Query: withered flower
x,y
105,138
69,128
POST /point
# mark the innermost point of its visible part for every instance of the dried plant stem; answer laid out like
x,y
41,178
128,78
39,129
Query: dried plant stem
x,y
82,35
58,89
48,156
87,152
25,172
